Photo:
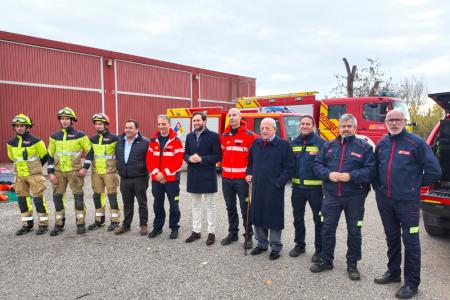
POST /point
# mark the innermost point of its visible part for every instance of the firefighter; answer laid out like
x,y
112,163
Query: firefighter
x,y
65,167
104,173
164,161
235,142
29,155
306,186
347,166
404,163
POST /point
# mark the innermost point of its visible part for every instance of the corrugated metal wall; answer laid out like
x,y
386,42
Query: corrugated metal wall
x,y
38,77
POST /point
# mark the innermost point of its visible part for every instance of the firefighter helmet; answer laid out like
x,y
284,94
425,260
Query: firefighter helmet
x,y
22,119
67,112
100,117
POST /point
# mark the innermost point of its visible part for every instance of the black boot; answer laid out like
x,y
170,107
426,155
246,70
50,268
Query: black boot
x,y
113,226
353,272
81,229
296,251
95,225
41,230
24,230
320,266
231,238
57,230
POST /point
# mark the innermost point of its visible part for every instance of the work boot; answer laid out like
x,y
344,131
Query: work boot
x,y
406,292
81,229
257,250
113,226
211,239
95,225
174,234
154,233
320,266
296,251
194,236
122,229
353,272
315,258
274,255
24,230
248,244
41,230
231,238
57,230
387,277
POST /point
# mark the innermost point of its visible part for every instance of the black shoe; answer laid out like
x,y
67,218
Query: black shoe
x,y
248,244
113,226
174,234
257,250
81,229
296,251
387,277
95,225
353,272
154,233
193,237
405,292
24,230
231,238
274,255
320,266
56,230
315,258
41,230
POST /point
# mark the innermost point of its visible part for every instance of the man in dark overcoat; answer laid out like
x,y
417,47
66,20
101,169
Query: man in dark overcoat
x,y
271,165
202,152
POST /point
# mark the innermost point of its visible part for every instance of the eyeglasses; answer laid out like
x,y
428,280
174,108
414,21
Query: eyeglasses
x,y
391,121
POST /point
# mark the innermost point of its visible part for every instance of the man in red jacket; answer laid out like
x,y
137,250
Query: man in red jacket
x,y
235,142
164,160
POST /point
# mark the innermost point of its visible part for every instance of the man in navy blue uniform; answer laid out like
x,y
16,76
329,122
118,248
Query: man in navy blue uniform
x,y
306,186
347,167
404,163
270,167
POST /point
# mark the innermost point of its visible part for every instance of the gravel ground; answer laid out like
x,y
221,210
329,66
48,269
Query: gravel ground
x,y
100,265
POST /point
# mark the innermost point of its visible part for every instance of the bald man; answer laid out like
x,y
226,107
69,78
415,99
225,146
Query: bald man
x,y
404,163
235,142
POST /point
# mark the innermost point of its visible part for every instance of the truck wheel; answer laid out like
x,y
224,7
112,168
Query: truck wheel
x,y
434,230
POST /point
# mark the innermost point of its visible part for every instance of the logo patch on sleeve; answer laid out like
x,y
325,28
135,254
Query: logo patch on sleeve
x,y
356,154
404,152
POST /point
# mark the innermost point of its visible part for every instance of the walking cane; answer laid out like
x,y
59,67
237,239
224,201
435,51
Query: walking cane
x,y
248,214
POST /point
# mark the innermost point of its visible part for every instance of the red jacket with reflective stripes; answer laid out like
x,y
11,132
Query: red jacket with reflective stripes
x,y
171,160
235,149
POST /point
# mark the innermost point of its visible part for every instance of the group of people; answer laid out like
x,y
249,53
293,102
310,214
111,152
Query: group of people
x,y
332,176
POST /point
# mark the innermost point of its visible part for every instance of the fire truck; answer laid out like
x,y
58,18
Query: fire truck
x,y
435,200
287,109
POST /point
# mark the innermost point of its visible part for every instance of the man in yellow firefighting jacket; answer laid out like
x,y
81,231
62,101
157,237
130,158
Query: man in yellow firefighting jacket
x,y
64,167
104,172
29,155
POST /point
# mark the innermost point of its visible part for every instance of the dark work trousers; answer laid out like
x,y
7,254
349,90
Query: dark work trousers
x,y
314,198
401,217
159,190
231,188
130,188
353,207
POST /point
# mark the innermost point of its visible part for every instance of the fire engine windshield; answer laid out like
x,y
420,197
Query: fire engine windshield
x,y
403,107
291,124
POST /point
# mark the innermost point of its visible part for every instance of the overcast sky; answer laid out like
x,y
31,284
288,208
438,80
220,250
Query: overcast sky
x,y
287,45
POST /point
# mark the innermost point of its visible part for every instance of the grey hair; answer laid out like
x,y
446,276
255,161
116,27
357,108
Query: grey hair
x,y
235,109
272,122
165,117
347,117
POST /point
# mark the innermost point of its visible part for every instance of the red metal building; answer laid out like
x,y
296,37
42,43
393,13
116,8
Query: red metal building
x,y
39,76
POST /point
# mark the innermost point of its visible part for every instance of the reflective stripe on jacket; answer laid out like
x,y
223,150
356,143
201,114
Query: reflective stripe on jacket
x,y
28,154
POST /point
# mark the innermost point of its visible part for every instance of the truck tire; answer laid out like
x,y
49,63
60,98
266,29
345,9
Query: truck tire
x,y
434,230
